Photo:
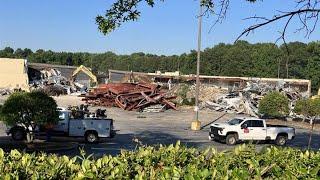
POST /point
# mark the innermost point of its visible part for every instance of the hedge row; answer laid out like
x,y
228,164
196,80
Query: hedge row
x,y
166,162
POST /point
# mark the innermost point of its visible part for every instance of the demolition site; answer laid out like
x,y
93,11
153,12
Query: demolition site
x,y
152,107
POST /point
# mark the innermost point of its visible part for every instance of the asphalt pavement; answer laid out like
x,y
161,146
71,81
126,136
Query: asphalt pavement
x,y
162,128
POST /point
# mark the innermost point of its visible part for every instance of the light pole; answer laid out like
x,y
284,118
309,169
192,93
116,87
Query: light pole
x,y
195,125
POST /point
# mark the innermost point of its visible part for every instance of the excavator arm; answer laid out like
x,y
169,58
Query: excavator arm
x,y
85,70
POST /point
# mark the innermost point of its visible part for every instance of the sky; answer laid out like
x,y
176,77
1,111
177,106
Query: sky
x,y
168,28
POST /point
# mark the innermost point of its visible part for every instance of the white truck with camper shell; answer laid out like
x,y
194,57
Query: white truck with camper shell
x,y
246,129
91,128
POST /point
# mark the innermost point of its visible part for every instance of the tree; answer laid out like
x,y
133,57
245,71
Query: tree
x,y
304,108
274,104
19,53
126,10
29,109
250,60
309,108
7,52
27,52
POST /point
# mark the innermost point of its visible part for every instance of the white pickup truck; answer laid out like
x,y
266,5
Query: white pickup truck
x,y
90,128
244,129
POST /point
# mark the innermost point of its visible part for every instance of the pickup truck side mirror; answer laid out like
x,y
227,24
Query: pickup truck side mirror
x,y
244,126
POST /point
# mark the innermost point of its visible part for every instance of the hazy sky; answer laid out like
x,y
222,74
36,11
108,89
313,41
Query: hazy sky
x,y
169,28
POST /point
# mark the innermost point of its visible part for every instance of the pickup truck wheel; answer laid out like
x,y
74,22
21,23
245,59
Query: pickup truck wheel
x,y
18,134
231,139
91,137
281,140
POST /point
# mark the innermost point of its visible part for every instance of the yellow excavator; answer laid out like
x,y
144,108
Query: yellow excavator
x,y
87,71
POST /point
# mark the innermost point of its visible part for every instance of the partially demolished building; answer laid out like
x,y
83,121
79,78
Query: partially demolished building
x,y
61,70
13,74
223,82
137,90
18,74
221,93
59,79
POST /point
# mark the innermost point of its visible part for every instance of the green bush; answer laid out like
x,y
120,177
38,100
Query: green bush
x,y
303,107
188,102
27,108
183,90
182,93
274,104
308,107
171,162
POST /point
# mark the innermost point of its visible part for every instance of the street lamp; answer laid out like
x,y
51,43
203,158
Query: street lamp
x,y
195,125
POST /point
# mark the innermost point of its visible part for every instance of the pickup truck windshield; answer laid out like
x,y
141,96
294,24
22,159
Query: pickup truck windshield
x,y
234,121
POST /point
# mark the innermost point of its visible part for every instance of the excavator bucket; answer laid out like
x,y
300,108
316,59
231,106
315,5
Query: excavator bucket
x,y
87,71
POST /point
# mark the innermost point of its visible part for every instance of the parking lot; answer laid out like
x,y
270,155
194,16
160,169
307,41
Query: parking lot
x,y
171,126
161,128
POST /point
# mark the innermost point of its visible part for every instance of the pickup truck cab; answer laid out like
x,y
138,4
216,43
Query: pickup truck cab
x,y
91,128
244,129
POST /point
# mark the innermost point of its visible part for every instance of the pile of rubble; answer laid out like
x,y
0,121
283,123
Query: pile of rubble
x,y
246,100
130,96
53,83
187,92
5,91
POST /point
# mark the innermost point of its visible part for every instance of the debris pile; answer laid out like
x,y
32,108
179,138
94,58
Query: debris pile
x,y
186,93
130,96
5,91
247,99
207,92
53,83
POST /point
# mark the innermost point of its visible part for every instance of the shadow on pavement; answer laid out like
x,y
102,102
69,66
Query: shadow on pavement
x,y
301,141
125,142
7,144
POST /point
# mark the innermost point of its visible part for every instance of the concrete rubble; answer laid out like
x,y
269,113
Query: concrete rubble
x,y
19,75
5,91
246,100
53,83
131,96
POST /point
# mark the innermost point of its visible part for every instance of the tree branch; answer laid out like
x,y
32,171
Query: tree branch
x,y
276,18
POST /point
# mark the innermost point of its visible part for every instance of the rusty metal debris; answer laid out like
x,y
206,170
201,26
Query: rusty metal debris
x,y
129,96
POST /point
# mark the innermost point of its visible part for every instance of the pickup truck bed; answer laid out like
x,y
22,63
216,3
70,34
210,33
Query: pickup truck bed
x,y
272,125
274,130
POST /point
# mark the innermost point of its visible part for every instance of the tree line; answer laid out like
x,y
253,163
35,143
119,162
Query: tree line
x,y
293,60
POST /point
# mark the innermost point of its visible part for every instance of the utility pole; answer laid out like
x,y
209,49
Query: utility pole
x,y
195,125
278,67
287,66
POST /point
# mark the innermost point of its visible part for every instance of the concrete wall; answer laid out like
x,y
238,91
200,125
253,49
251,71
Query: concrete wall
x,y
13,74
